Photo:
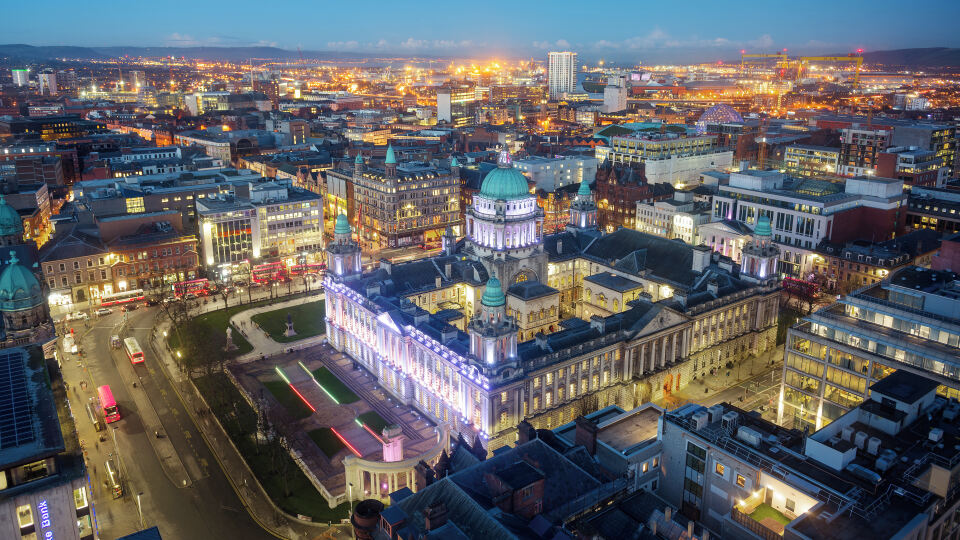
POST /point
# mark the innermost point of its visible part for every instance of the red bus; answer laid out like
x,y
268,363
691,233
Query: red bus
x,y
111,413
267,272
121,297
300,269
198,287
134,352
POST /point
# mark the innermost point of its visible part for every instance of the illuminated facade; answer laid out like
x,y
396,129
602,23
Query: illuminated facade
x,y
687,313
908,322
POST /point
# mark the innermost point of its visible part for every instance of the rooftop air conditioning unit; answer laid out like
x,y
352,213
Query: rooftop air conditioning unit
x,y
860,439
936,435
730,420
716,412
700,419
847,433
873,446
750,436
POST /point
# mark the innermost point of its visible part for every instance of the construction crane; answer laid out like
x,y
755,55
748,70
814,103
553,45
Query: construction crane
x,y
800,63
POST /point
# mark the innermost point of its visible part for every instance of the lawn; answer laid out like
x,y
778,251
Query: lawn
x,y
215,323
240,421
764,510
307,321
290,401
334,386
374,421
326,441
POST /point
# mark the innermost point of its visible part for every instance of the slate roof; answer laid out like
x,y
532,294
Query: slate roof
x,y
471,518
528,290
72,243
614,282
519,475
669,260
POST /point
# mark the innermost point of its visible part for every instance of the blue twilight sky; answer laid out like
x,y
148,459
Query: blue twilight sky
x,y
637,30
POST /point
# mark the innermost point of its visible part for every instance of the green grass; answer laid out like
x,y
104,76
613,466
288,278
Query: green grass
x,y
328,443
290,401
215,323
224,399
335,386
307,321
764,510
374,421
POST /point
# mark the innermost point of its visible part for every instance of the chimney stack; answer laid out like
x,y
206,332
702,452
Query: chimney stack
x,y
435,516
586,434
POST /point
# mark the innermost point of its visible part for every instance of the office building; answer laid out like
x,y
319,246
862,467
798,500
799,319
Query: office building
x,y
934,208
615,94
809,160
914,166
549,174
456,105
266,223
48,83
805,211
873,473
46,492
399,204
137,80
633,307
906,322
670,158
50,128
561,74
21,76
679,217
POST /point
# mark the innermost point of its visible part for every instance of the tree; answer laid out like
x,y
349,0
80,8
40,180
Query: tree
x,y
478,449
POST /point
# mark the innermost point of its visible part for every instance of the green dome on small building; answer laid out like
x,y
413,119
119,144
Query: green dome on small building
x,y
359,160
10,222
342,225
584,188
763,227
454,162
19,288
493,294
391,156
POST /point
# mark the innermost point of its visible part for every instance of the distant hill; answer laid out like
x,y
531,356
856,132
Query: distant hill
x,y
928,57
236,54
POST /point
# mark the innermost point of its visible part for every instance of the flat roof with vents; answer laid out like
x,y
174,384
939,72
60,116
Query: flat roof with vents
x,y
29,426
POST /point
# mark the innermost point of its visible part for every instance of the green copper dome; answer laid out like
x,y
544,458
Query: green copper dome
x,y
342,226
19,288
391,157
359,160
10,222
584,188
505,182
763,227
493,294
454,162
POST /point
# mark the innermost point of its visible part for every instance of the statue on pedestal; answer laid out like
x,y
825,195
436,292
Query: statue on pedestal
x,y
229,345
289,331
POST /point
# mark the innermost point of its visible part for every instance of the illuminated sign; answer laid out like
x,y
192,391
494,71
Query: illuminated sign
x,y
45,524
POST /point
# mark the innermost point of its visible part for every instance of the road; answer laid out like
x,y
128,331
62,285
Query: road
x,y
208,507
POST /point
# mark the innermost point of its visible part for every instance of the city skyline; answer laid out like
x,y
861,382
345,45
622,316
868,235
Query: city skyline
x,y
626,33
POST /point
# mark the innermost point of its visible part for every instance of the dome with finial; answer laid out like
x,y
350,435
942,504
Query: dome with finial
x,y
493,294
391,156
19,288
454,162
584,188
359,160
763,227
10,222
342,226
505,182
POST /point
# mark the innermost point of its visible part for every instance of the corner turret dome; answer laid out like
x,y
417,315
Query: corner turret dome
x,y
342,226
493,294
10,222
505,182
584,188
763,227
19,288
391,156
359,160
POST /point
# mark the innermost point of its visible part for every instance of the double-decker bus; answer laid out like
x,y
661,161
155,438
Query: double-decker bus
x,y
111,413
134,352
300,269
198,287
121,297
267,272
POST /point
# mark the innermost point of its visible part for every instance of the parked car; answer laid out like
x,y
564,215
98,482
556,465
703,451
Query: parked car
x,y
104,311
129,307
78,316
150,302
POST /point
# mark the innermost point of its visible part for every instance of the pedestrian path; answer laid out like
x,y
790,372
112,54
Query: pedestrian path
x,y
263,345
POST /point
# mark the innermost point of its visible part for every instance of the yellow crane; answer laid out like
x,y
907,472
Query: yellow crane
x,y
801,62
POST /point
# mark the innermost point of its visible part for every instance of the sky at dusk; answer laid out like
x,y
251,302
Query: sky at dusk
x,y
629,31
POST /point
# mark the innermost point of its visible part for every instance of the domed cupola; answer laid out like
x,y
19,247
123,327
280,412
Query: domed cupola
x,y
19,288
11,226
505,182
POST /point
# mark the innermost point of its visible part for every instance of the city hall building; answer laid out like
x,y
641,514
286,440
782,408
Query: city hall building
x,y
509,324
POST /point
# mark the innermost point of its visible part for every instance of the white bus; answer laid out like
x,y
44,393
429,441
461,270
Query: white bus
x,y
134,352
